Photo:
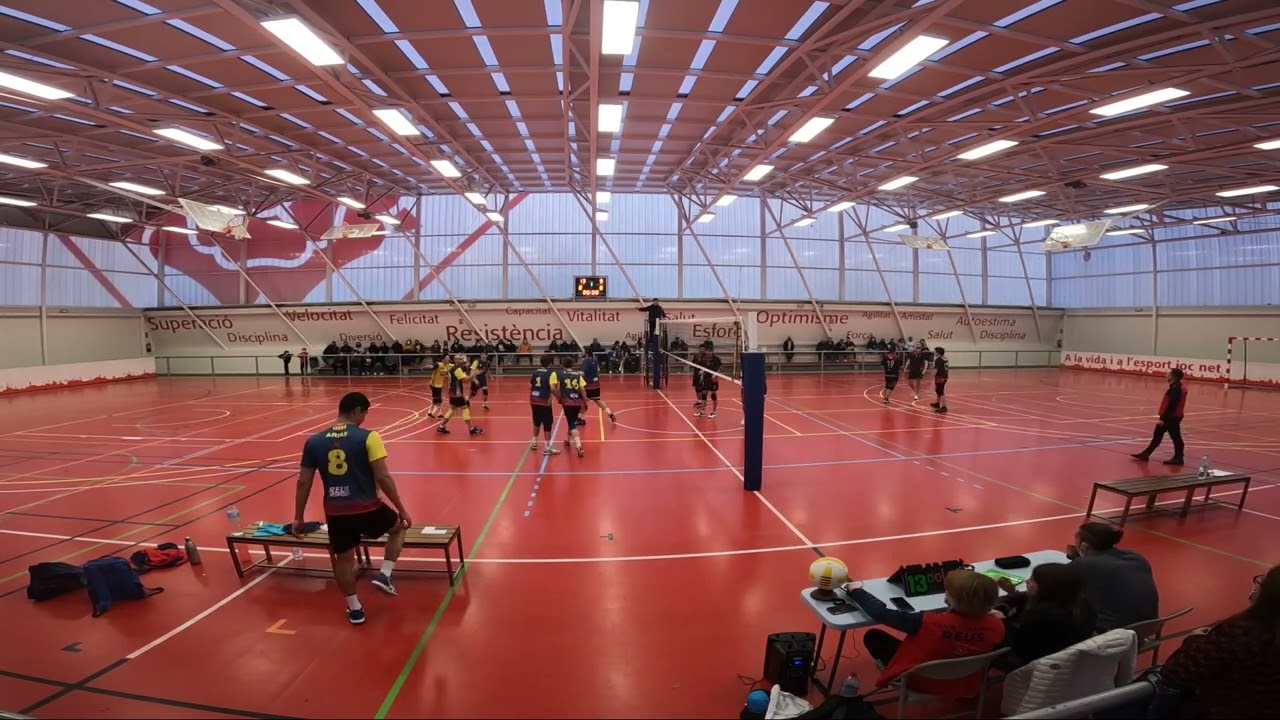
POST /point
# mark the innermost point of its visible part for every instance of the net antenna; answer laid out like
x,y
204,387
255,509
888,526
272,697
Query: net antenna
x,y
350,231
924,242
1080,235
1253,362
216,218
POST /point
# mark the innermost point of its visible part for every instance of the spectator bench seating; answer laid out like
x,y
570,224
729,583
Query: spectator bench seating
x,y
442,538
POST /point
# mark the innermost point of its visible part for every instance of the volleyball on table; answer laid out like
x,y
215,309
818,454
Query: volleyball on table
x,y
828,573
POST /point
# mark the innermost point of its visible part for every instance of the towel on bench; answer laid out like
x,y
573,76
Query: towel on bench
x,y
266,529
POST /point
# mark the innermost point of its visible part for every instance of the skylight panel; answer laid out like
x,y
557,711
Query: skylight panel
x,y
770,60
194,31
38,59
1174,50
1026,59
1194,4
879,37
295,121
134,88
251,100
865,97
119,48
809,18
624,82
686,85
311,94
194,76
643,11
264,67
957,88
958,45
375,87
704,51
747,87
1140,20
33,19
351,118
1025,13
189,106
329,137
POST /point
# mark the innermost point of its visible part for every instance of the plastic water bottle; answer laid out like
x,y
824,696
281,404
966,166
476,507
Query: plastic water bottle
x,y
233,519
1204,468
849,688
193,552
297,554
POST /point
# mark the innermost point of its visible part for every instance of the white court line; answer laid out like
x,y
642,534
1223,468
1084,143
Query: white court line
x,y
795,530
152,408
846,433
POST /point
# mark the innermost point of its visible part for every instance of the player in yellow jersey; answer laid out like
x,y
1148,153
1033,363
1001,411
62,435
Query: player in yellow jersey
x,y
458,400
480,378
439,375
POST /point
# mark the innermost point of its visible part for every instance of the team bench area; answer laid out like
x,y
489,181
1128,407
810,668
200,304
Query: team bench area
x,y
443,538
1150,487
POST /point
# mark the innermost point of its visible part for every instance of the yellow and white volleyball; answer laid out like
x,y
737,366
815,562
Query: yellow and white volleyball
x,y
828,573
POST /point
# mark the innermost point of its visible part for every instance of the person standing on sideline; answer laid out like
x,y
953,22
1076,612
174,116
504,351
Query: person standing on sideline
x,y
789,348
352,463
1172,408
304,361
941,373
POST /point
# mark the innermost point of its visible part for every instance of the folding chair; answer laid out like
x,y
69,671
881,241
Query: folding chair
x,y
1151,633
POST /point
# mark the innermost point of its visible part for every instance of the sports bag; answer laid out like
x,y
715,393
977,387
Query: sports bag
x,y
109,579
51,579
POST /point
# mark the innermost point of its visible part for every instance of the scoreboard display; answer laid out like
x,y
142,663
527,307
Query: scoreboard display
x,y
590,286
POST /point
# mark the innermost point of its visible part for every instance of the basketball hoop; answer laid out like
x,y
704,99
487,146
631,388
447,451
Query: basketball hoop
x,y
342,232
215,219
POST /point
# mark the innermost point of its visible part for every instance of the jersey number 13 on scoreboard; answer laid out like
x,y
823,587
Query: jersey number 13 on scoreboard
x,y
590,286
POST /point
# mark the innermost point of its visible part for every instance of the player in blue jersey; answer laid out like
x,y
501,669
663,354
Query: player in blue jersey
x,y
458,398
540,388
569,388
352,463
591,375
480,378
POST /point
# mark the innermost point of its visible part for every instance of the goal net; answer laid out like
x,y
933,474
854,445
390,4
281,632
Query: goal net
x,y
1253,362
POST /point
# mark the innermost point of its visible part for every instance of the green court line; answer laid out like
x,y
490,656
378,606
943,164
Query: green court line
x,y
394,692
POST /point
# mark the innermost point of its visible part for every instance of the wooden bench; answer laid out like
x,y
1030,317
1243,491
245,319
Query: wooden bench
x,y
1150,487
444,538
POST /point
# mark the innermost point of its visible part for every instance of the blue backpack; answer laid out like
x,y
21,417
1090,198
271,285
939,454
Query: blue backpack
x,y
109,579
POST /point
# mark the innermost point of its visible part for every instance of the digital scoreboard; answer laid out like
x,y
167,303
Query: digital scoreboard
x,y
590,286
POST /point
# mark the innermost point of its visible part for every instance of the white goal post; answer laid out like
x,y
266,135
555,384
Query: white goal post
x,y
1253,362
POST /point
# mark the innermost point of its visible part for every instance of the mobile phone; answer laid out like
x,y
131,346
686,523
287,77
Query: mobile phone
x,y
902,604
842,609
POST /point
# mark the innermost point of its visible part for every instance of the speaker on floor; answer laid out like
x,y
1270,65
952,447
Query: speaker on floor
x,y
788,661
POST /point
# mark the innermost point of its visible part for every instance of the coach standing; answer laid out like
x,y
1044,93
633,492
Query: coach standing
x,y
1171,411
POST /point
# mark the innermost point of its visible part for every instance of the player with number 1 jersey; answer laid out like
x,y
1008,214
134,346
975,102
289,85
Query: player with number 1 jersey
x,y
591,374
540,383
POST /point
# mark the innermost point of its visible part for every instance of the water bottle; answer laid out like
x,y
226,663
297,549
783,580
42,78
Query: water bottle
x,y
1204,468
849,688
193,552
233,519
297,554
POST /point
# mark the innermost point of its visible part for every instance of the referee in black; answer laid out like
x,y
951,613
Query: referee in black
x,y
1172,408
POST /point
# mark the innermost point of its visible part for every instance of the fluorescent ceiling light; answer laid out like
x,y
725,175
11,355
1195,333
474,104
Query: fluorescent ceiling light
x,y
726,201
475,198
294,33
990,148
1255,190
603,196
908,57
706,217
21,162
982,233
605,166
282,224
1022,196
446,168
182,230
349,202
388,219
28,87
757,172
109,217
233,211
895,228
1140,101
1269,145
380,232
15,202
618,27
840,206
494,216
945,215
1133,172
602,215
1126,209
609,117
286,176
900,182
1206,221
134,187
805,222
397,121
1128,231
810,130
1039,223
191,140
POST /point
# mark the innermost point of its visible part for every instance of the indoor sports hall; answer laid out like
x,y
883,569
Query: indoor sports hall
x,y
726,357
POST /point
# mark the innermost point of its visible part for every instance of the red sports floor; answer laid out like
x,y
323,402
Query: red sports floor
x,y
640,581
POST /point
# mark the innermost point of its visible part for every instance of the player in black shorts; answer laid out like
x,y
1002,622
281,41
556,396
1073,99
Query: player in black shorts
x,y
941,372
480,378
540,383
892,365
568,386
917,361
458,401
699,358
709,385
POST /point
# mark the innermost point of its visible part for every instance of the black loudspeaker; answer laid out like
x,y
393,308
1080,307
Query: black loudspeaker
x,y
788,661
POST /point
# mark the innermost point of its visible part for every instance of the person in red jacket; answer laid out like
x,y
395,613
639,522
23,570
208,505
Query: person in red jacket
x,y
1172,408
968,627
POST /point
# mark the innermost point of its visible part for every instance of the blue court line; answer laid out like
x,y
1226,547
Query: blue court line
x,y
541,469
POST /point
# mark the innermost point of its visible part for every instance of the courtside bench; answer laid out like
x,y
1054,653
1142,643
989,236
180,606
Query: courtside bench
x,y
442,538
1150,487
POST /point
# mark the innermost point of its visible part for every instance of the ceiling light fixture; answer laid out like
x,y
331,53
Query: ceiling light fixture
x,y
1127,231
108,217
1126,209
945,215
896,228
605,166
282,224
1206,221
602,215
494,216
287,176
1138,102
135,187
396,121
190,139
609,117
475,198
805,222
15,202
20,162
233,211
1269,145
726,201
1039,223
757,172
603,196
387,219
351,202
304,41
900,182
840,206
618,21
706,217
1022,196
990,148
982,233
1133,172
1255,190
446,168
180,230
908,57
810,130
29,87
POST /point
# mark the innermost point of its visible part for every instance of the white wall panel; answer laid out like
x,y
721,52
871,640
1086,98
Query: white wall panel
x,y
642,249
742,217
643,214
725,250
376,283
485,250
94,338
700,283
1102,261
864,286
941,289
21,340
826,227
660,281
450,215
549,213
1118,291
1230,286
894,257
20,245
550,249
69,287
783,283
395,251
188,290
742,282
19,284
468,282
103,254
557,280
1007,291
1256,249
901,286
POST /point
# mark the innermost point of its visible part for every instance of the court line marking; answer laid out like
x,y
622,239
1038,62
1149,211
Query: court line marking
x,y
827,425
795,530
152,408
542,467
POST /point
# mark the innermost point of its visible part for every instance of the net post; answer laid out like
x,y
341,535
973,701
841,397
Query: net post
x,y
753,391
656,360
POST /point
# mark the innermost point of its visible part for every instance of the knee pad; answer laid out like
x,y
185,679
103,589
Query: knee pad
x,y
466,414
